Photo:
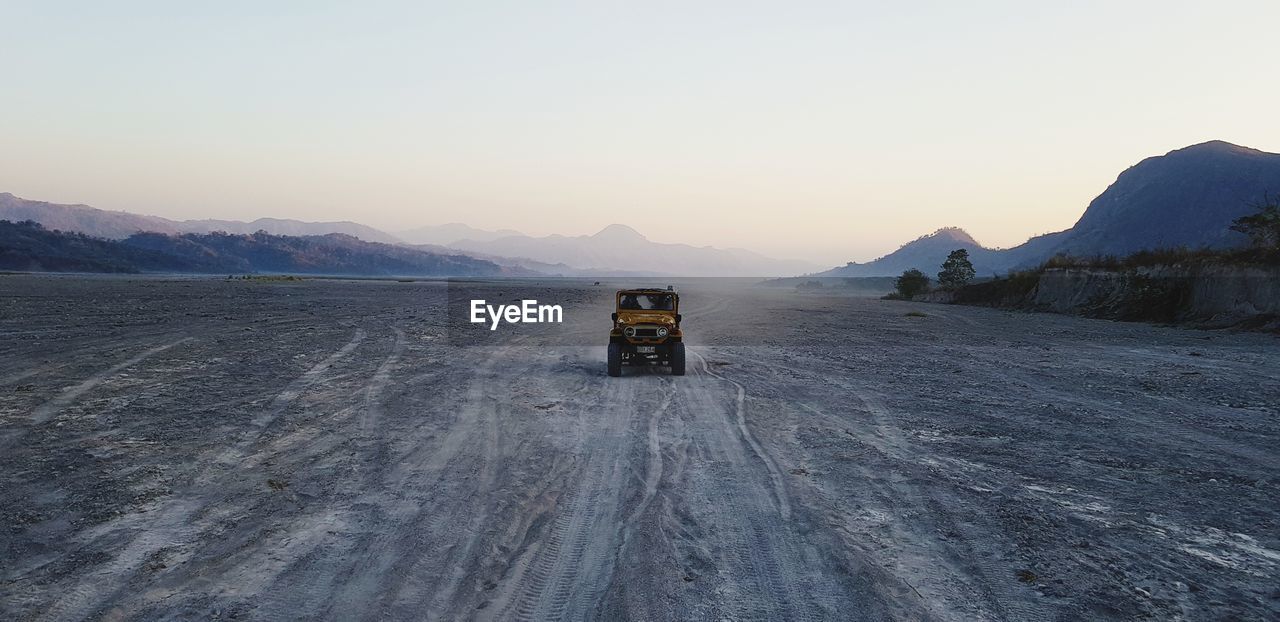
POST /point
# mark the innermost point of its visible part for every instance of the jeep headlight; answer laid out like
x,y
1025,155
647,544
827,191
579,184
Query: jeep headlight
x,y
662,331
630,331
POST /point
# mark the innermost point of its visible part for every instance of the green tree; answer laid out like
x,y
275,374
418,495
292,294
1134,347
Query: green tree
x,y
1263,228
957,269
911,282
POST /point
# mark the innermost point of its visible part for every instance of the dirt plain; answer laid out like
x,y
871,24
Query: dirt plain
x,y
210,449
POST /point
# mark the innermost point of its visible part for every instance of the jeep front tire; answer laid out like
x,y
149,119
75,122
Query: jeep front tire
x,y
615,359
677,358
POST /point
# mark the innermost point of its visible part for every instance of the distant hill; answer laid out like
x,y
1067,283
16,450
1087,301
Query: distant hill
x,y
621,249
81,218
526,265
1187,197
926,254
448,234
119,225
30,246
279,226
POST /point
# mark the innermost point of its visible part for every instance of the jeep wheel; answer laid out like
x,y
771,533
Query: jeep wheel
x,y
677,358
615,359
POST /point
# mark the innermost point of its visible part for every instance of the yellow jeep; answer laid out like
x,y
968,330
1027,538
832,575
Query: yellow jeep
x,y
646,330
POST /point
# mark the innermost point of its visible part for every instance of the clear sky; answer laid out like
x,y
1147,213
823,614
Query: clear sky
x,y
829,131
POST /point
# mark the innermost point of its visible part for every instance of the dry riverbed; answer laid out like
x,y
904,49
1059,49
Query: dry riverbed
x,y
199,448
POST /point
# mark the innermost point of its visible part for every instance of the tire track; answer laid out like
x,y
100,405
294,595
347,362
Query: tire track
x,y
775,475
50,409
759,568
415,524
952,568
373,392
173,525
234,454
653,469
565,573
438,597
962,565
306,586
555,573
283,399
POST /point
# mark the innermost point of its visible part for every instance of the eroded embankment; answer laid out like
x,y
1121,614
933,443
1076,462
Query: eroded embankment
x,y
1209,295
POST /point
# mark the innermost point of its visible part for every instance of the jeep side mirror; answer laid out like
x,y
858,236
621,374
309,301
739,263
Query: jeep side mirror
x,y
615,317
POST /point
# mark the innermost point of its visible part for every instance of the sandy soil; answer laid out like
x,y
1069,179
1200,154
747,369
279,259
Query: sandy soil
x,y
203,449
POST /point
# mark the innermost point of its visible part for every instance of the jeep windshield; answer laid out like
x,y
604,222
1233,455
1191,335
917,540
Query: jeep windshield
x,y
646,302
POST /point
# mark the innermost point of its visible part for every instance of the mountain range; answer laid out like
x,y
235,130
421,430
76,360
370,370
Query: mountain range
x,y
114,225
447,234
29,246
620,247
617,250
1185,198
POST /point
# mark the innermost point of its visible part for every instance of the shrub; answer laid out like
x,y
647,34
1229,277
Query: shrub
x,y
911,282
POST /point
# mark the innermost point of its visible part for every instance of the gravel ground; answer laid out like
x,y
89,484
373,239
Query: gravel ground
x,y
208,449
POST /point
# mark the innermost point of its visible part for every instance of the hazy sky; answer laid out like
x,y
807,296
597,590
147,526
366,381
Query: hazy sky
x,y
826,131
